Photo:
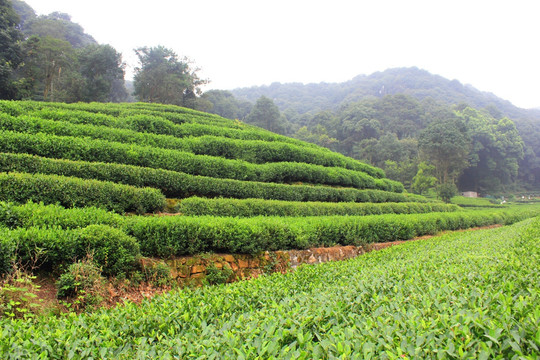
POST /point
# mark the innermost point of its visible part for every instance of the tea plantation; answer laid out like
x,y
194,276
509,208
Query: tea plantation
x,y
80,179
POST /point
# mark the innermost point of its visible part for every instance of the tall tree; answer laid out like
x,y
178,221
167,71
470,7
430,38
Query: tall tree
x,y
59,26
266,114
445,144
226,105
25,12
423,180
163,78
50,68
10,50
103,70
400,114
495,153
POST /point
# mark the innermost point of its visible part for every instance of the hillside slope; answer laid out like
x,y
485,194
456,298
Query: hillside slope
x,y
85,185
312,98
155,138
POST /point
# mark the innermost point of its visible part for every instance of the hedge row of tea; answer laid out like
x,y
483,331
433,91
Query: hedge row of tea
x,y
55,234
185,235
123,123
53,248
422,300
77,148
195,206
468,202
180,185
76,192
255,151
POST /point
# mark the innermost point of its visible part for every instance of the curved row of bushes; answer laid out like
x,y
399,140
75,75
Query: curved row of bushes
x,y
33,214
180,185
172,113
254,151
196,206
142,121
76,192
99,150
50,248
154,119
182,235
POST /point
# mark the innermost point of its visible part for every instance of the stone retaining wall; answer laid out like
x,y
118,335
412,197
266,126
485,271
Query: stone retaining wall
x,y
194,269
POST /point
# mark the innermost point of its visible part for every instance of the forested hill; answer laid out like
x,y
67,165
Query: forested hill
x,y
386,118
418,83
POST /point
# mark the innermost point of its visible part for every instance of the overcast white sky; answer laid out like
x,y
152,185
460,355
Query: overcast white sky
x,y
492,45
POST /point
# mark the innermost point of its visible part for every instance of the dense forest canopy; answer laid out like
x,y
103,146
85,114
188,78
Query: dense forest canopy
x,y
423,129
390,118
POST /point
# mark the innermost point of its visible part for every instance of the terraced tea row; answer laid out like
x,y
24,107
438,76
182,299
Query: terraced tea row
x,y
195,206
179,185
38,230
255,151
131,117
76,148
457,296
76,192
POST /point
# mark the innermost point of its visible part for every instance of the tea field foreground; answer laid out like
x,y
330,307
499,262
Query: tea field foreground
x,y
469,295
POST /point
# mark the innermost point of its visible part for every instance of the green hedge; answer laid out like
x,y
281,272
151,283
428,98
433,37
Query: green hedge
x,y
254,151
73,148
475,202
195,206
142,119
75,192
188,235
32,214
137,117
50,248
183,235
180,185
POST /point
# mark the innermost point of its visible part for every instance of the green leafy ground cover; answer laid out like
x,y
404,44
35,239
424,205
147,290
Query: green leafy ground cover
x,y
463,295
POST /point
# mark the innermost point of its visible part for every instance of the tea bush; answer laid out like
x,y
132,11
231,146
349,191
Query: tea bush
x,y
180,185
195,206
76,192
77,148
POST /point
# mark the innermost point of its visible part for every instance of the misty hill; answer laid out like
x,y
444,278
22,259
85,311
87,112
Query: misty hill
x,y
382,119
418,83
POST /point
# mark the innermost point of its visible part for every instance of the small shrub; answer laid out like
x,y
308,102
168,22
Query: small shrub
x,y
215,276
82,282
159,274
7,255
446,191
114,251
18,297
